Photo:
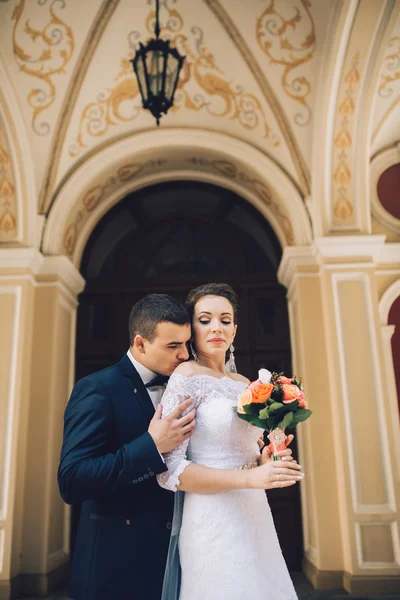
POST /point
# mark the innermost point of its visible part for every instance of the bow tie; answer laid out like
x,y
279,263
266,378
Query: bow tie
x,y
158,380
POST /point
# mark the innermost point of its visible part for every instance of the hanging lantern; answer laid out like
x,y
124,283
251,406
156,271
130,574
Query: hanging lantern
x,y
157,67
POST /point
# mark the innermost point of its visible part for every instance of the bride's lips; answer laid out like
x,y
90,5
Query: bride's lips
x,y
216,341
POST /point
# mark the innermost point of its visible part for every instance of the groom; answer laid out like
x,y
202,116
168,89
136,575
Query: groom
x,y
113,440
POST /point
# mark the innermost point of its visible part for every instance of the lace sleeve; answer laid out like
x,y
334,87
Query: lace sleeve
x,y
178,389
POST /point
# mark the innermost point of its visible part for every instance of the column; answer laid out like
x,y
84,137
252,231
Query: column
x,y
349,495
37,321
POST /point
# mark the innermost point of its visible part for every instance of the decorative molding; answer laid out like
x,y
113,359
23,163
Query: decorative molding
x,y
15,291
386,301
346,246
393,528
88,49
273,32
21,258
57,47
82,200
359,507
343,141
390,254
332,54
379,164
294,257
259,75
42,267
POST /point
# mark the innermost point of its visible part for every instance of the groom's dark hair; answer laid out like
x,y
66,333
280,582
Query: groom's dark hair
x,y
152,310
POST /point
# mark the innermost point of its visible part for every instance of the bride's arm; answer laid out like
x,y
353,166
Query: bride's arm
x,y
187,476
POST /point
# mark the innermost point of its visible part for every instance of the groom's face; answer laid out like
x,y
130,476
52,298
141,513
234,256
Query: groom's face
x,y
168,348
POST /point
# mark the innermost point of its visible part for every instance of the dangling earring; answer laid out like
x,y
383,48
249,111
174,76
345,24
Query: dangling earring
x,y
193,351
231,360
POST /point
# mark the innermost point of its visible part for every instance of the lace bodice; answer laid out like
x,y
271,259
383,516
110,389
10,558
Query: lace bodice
x,y
221,439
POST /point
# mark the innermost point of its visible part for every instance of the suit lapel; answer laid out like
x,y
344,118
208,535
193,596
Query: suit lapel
x,y
137,386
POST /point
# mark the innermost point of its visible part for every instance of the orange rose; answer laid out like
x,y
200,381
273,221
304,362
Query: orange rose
x,y
290,393
284,380
260,391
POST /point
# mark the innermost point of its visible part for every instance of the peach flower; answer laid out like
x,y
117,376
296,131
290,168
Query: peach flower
x,y
290,393
284,380
301,400
243,399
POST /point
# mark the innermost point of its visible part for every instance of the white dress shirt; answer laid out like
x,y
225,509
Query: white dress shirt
x,y
146,375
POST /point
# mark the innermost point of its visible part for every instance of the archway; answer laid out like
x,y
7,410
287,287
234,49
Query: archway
x,y
169,238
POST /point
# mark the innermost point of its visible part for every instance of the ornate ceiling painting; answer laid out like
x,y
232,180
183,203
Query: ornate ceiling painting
x,y
39,47
215,88
252,72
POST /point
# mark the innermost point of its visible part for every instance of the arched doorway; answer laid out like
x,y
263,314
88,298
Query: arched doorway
x,y
172,237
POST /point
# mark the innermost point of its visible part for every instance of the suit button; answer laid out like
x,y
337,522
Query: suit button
x,y
140,478
134,481
168,525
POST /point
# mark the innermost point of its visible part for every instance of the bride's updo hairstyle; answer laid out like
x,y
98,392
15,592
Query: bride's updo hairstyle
x,y
212,289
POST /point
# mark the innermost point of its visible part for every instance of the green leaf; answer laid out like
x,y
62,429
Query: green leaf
x,y
287,419
301,415
252,409
264,413
275,407
253,419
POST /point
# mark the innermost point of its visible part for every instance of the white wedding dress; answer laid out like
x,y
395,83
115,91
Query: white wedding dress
x,y
228,545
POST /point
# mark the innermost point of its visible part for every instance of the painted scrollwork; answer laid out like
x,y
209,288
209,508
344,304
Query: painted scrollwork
x,y
215,93
391,68
8,222
276,34
93,197
49,53
343,141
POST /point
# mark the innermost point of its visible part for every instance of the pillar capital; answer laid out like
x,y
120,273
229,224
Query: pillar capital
x,y
32,264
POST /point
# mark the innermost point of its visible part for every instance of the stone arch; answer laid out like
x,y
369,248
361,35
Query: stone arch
x,y
22,179
387,300
379,164
165,155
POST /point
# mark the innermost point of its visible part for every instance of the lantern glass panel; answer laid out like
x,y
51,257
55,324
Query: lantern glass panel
x,y
139,68
171,75
155,66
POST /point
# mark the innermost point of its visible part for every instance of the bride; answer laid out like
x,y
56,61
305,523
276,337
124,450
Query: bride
x,y
223,533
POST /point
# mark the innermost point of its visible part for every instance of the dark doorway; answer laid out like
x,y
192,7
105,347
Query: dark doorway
x,y
170,238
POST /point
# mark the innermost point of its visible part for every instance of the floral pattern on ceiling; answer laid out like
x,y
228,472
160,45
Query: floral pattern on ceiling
x,y
42,53
277,34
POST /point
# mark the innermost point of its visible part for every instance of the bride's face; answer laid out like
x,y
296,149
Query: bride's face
x,y
213,325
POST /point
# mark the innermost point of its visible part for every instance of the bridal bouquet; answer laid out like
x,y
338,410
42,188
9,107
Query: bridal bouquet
x,y
273,402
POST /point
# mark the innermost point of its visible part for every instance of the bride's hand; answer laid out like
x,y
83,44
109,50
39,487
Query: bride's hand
x,y
275,474
266,454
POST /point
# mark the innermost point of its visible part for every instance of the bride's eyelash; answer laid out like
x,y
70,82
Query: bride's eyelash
x,y
204,322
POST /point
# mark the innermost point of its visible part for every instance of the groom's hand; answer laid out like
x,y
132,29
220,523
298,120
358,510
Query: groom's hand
x,y
173,430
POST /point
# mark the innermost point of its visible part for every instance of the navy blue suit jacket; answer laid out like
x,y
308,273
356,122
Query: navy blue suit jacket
x,y
108,463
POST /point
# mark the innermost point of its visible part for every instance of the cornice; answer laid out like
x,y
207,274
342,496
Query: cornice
x,y
43,268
